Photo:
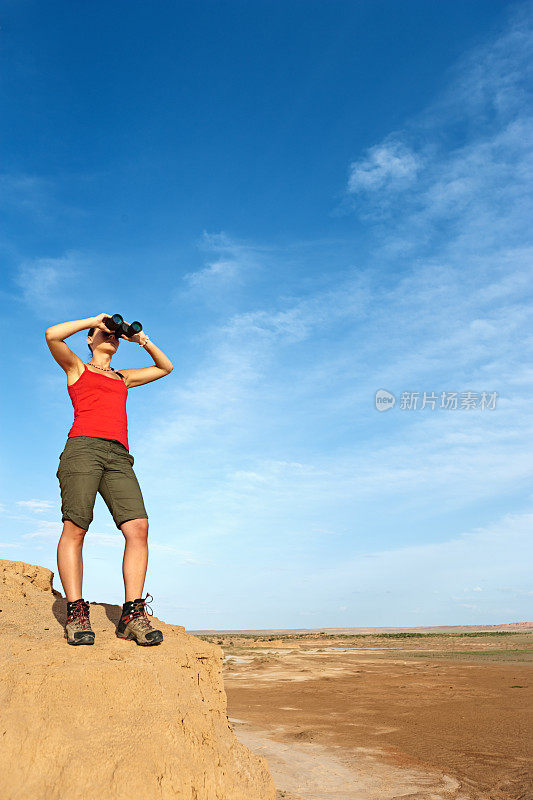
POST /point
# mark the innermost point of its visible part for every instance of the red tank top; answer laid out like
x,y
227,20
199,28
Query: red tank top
x,y
99,407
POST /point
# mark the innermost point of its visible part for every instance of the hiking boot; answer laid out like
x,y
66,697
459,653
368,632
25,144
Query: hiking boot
x,y
78,628
135,625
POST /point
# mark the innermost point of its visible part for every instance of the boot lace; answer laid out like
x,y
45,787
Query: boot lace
x,y
139,611
80,613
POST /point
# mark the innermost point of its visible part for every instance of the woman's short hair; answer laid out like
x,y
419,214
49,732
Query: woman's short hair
x,y
91,333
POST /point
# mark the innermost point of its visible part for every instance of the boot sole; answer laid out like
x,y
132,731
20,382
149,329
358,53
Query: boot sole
x,y
141,644
86,640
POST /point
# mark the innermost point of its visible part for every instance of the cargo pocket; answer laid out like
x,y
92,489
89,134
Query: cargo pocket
x,y
79,485
59,460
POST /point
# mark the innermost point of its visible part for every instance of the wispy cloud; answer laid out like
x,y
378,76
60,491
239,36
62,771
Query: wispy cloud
x,y
184,556
231,263
37,506
387,166
441,569
34,200
489,83
48,286
463,165
46,529
25,193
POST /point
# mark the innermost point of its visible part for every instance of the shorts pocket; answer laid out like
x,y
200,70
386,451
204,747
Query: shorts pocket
x,y
78,458
61,462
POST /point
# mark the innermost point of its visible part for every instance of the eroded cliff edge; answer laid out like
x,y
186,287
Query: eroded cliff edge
x,y
111,721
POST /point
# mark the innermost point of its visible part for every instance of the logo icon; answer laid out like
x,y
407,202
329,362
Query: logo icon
x,y
384,400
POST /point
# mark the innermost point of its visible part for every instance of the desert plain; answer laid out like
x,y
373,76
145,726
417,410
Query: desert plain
x,y
383,714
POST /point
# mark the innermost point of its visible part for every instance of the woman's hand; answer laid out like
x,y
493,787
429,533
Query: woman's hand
x,y
138,338
99,323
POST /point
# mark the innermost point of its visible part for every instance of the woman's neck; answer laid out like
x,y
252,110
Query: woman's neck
x,y
104,363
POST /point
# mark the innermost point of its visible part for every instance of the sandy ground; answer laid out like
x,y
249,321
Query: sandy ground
x,y
111,721
423,719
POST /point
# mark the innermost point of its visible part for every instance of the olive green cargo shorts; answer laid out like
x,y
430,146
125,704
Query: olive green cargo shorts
x,y
90,464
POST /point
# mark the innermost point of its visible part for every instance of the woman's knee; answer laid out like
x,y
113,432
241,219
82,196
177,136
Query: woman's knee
x,y
135,529
74,531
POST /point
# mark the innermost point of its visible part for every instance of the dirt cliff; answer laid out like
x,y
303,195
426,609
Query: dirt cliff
x,y
111,721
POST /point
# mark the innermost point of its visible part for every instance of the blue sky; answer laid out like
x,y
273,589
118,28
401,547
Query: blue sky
x,y
303,203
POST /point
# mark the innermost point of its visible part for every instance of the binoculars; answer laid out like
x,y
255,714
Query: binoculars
x,y
121,328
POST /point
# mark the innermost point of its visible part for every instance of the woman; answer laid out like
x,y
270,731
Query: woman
x,y
96,458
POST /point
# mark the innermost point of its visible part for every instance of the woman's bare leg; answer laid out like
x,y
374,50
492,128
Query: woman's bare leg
x,y
70,561
135,560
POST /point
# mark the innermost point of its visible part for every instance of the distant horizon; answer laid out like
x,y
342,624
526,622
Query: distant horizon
x,y
375,628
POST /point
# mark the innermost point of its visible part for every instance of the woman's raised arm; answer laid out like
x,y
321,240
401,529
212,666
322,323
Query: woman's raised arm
x,y
55,335
65,329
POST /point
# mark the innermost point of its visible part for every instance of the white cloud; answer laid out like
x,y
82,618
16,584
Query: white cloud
x,y
386,166
38,506
490,82
470,151
46,530
232,264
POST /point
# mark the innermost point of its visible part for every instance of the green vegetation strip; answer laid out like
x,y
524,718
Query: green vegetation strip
x,y
350,636
486,652
500,655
